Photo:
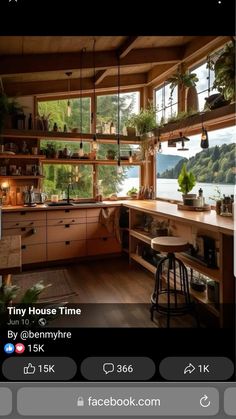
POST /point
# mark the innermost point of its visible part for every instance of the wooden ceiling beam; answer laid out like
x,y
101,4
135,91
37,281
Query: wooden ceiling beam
x,y
127,46
36,63
101,74
16,89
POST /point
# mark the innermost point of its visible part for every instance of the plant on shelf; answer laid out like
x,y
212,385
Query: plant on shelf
x,y
8,111
133,193
224,69
144,121
217,198
185,80
186,181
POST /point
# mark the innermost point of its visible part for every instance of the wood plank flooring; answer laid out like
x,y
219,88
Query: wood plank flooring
x,y
114,293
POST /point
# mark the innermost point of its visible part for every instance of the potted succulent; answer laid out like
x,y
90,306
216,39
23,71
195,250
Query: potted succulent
x,y
186,80
186,181
133,193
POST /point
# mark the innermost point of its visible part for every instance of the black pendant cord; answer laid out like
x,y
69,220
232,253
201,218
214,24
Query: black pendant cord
x,y
81,90
94,88
118,113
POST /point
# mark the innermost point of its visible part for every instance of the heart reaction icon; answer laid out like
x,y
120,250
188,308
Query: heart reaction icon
x,y
19,348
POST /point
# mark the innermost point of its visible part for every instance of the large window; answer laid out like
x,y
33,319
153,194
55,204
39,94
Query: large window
x,y
56,112
214,167
112,183
58,176
205,82
166,105
107,111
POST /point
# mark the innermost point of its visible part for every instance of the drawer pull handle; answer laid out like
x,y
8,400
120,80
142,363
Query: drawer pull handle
x,y
67,242
61,221
67,210
22,213
32,223
17,224
104,239
23,247
33,231
73,221
23,229
67,225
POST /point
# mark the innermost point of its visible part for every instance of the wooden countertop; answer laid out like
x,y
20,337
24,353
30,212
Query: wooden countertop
x,y
10,255
205,219
43,207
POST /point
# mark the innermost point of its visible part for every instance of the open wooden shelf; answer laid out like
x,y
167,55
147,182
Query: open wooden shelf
x,y
201,297
88,161
68,136
195,264
22,156
21,177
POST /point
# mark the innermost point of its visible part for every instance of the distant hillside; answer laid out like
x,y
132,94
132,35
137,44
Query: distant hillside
x,y
213,165
166,162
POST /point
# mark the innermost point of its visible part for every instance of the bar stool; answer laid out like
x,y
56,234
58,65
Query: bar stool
x,y
171,279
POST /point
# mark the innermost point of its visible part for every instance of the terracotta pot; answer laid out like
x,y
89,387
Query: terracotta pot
x,y
192,99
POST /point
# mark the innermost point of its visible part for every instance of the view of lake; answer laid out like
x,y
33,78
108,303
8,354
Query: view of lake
x,y
167,188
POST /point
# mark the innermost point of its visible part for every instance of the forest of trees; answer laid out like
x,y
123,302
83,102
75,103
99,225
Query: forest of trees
x,y
57,176
213,165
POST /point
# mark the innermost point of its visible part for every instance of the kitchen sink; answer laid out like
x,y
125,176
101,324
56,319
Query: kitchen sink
x,y
59,204
73,204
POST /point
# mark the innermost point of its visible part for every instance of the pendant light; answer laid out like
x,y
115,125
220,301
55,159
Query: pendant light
x,y
157,143
69,74
94,113
81,149
182,140
204,137
119,167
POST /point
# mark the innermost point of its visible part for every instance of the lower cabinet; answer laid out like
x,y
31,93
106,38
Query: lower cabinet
x,y
103,245
34,253
66,250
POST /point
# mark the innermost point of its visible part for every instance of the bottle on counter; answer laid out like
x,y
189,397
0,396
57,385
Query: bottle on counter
x,y
112,128
201,197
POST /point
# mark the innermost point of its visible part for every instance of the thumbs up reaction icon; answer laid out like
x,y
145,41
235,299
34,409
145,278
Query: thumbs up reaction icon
x,y
30,369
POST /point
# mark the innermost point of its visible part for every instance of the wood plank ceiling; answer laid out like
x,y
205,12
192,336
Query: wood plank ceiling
x,y
32,65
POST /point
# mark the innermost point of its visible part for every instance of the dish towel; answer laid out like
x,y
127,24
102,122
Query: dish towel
x,y
111,220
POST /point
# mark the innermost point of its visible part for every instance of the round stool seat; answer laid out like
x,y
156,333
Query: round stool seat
x,y
169,244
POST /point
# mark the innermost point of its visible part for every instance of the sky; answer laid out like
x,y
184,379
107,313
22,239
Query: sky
x,y
218,137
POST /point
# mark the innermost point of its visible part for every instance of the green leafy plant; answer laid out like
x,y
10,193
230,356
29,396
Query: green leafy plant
x,y
182,80
186,180
132,191
145,121
9,295
224,69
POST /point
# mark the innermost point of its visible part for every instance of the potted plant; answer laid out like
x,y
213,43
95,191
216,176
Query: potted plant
x,y
186,181
186,80
144,121
224,69
133,193
111,154
218,199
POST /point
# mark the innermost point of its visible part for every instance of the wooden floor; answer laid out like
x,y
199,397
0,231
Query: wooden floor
x,y
115,293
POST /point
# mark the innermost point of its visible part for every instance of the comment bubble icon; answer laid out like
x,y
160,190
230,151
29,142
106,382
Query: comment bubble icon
x,y
108,367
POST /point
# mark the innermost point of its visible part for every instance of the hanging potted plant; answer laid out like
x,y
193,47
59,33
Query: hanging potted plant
x,y
186,80
224,69
186,181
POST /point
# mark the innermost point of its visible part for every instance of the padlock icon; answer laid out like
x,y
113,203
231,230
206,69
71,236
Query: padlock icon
x,y
80,401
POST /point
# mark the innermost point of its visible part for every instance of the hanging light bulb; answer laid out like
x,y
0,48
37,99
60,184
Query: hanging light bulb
x,y
130,156
81,149
204,138
159,147
94,143
69,74
119,168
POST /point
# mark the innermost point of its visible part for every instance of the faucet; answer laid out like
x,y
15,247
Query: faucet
x,y
68,192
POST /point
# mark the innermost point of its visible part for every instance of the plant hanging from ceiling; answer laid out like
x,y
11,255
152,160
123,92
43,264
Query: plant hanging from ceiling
x,y
224,69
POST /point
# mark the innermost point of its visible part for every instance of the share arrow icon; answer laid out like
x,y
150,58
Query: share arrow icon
x,y
189,369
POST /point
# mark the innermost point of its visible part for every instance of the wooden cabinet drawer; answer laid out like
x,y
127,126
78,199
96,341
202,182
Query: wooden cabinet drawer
x,y
66,232
66,213
33,253
66,250
97,231
94,213
35,235
103,246
24,215
23,224
63,221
